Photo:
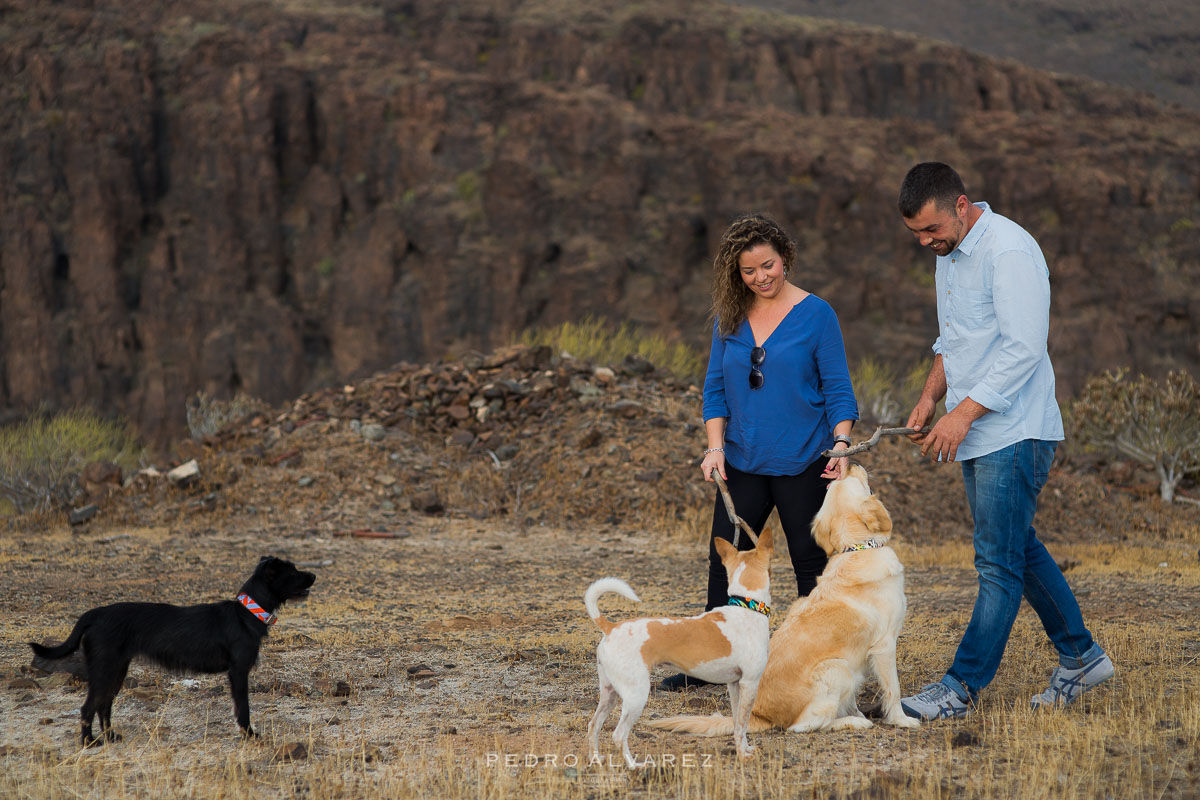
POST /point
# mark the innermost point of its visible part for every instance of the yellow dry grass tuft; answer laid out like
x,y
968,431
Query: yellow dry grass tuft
x,y
603,342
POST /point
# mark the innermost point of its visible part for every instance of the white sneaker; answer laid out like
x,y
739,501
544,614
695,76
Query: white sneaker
x,y
935,701
1068,684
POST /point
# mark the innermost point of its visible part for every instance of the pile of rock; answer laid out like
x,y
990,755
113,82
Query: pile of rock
x,y
565,438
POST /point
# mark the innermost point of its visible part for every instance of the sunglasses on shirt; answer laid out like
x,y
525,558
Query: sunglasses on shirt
x,y
757,356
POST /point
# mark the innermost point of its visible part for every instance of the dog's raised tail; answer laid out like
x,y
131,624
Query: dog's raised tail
x,y
714,725
603,586
67,647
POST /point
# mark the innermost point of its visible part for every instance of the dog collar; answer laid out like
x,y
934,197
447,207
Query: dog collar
x,y
867,545
750,603
255,609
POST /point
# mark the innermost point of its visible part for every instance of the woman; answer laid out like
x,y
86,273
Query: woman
x,y
776,395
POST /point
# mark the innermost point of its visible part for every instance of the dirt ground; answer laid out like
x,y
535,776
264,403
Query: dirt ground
x,y
455,659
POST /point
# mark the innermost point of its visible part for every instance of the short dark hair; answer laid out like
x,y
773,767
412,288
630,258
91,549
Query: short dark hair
x,y
931,180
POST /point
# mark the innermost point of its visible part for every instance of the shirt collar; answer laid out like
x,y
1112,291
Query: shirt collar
x,y
977,230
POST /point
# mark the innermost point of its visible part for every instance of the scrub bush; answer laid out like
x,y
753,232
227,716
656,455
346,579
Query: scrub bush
x,y
41,458
1154,422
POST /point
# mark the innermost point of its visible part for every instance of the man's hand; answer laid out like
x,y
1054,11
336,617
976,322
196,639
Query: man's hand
x,y
941,443
919,418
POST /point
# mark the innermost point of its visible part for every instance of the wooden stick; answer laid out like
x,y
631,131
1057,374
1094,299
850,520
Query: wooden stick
x,y
863,447
737,521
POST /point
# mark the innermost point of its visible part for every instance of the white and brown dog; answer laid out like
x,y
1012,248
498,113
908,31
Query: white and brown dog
x,y
848,624
726,645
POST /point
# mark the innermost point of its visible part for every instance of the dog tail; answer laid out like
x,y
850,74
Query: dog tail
x,y
713,725
67,647
603,586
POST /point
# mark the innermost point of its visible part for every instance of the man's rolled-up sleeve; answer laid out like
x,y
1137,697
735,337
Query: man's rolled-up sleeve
x,y
1021,303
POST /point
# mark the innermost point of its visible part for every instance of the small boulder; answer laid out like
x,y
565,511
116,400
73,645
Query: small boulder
x,y
428,502
79,516
185,474
637,365
99,478
292,751
462,438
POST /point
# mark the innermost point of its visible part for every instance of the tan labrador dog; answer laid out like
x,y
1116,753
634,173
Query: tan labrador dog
x,y
820,655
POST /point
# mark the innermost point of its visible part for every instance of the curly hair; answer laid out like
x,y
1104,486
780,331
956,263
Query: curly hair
x,y
730,296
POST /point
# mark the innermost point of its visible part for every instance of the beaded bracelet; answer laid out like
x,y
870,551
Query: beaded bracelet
x,y
714,450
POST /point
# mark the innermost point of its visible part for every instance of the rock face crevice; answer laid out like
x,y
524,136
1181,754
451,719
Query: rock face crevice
x,y
268,198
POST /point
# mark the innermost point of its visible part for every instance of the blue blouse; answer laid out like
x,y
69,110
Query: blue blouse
x,y
781,427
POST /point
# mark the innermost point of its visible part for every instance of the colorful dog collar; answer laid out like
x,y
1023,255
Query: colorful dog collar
x,y
867,545
750,603
255,609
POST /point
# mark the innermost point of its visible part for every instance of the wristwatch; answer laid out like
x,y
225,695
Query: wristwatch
x,y
843,438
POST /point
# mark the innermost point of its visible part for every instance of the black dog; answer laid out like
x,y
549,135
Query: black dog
x,y
214,637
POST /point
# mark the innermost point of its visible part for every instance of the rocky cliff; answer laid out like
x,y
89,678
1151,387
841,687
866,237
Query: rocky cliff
x,y
271,196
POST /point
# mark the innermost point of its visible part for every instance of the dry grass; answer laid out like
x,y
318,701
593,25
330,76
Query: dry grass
x,y
502,604
605,342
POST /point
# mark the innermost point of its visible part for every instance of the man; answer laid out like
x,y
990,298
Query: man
x,y
1003,424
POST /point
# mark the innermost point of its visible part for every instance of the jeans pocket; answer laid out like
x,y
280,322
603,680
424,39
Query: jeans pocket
x,y
1043,458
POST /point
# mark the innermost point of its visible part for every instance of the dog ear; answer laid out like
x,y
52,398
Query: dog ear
x,y
822,531
724,549
766,541
875,516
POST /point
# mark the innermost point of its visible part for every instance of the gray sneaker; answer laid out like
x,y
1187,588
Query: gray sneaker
x,y
934,701
1068,684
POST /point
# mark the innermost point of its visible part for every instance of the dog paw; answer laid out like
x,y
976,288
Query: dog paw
x,y
112,736
248,733
746,752
857,723
904,721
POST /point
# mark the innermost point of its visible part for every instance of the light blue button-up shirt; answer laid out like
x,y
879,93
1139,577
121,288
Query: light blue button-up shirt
x,y
993,300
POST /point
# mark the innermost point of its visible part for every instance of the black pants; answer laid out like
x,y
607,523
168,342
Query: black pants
x,y
798,498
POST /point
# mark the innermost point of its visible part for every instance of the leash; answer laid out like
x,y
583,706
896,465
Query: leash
x,y
739,524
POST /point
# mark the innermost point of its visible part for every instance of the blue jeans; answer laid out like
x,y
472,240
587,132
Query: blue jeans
x,y
1002,490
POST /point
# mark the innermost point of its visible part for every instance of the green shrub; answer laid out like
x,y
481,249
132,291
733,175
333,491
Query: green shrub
x,y
206,415
600,341
876,388
1154,422
466,186
41,458
885,398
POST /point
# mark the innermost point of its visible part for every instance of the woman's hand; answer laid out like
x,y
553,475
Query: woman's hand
x,y
836,468
714,460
